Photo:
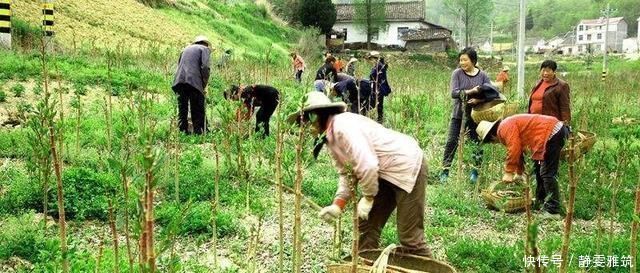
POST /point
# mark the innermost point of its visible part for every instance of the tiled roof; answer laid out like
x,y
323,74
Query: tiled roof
x,y
394,11
601,21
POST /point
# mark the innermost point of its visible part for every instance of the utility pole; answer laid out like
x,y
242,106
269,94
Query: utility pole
x,y
520,85
606,13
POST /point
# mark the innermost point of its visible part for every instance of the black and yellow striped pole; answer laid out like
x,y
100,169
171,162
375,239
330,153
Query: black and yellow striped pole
x,y
5,23
604,75
47,22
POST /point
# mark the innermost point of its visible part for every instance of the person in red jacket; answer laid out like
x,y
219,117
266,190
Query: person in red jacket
x,y
543,136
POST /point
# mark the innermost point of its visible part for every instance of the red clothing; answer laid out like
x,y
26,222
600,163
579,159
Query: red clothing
x,y
338,65
536,98
502,77
525,132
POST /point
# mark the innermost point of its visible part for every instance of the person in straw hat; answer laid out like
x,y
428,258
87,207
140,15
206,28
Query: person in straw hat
x,y
351,66
379,82
190,84
543,136
388,165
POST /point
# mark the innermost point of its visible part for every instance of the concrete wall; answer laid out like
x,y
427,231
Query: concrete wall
x,y
388,36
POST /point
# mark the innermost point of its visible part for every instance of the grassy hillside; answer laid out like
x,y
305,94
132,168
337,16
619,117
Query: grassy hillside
x,y
127,23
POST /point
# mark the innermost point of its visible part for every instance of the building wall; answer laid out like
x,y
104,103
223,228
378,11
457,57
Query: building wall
x,y
388,36
589,34
630,45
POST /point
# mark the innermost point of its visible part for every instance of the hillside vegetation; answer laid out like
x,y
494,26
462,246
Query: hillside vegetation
x,y
245,27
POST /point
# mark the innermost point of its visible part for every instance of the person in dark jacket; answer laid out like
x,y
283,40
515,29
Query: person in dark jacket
x,y
265,96
465,84
379,82
551,95
190,84
326,73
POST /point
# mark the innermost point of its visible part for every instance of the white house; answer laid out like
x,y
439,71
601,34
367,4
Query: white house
x,y
401,16
590,35
535,45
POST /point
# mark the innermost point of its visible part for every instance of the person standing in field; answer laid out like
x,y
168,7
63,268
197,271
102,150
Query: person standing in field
x,y
465,82
351,67
379,83
543,136
224,59
502,79
264,96
551,95
298,66
190,84
388,166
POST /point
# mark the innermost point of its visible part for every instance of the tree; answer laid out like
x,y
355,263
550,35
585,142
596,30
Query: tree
x,y
370,16
473,13
528,24
318,13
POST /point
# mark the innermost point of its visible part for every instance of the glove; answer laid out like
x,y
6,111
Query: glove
x,y
330,213
364,207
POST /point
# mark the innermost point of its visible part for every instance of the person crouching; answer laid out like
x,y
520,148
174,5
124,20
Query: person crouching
x,y
265,96
388,165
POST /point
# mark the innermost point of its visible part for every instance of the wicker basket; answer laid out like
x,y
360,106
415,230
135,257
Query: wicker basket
x,y
584,142
492,111
346,268
506,197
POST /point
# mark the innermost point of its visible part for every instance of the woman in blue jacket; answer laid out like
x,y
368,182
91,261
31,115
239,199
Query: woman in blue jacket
x,y
379,83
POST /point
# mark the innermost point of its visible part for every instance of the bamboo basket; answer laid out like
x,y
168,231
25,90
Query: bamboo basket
x,y
584,142
398,263
493,110
506,197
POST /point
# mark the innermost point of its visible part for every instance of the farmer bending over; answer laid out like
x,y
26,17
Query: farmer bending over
x,y
544,137
389,168
256,95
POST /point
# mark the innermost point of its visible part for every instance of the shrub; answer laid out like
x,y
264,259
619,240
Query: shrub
x,y
17,192
18,90
24,237
197,219
86,193
3,96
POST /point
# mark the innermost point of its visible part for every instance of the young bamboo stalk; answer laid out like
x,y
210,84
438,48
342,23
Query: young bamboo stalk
x,y
176,159
531,248
614,197
78,120
214,205
149,179
109,112
125,187
297,226
356,234
100,253
114,234
461,138
566,239
279,190
61,121
634,226
57,168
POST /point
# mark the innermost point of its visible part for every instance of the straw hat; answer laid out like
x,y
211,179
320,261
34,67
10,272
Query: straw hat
x,y
316,100
505,68
484,127
353,60
201,38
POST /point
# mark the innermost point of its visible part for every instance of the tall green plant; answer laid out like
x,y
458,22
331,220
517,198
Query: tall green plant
x,y
370,16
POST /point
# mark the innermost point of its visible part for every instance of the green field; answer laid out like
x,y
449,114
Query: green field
x,y
113,116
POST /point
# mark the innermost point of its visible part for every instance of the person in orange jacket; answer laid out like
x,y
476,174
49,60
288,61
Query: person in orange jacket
x,y
542,136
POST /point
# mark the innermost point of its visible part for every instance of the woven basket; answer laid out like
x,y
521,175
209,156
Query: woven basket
x,y
506,197
584,142
346,268
492,111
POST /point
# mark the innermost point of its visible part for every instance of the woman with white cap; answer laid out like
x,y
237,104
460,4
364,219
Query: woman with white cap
x,y
190,84
388,165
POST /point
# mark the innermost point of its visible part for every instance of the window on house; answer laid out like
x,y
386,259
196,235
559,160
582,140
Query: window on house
x,y
588,37
579,37
401,31
344,30
581,27
599,36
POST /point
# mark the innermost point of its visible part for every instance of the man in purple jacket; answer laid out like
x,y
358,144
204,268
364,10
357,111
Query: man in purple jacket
x,y
190,84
